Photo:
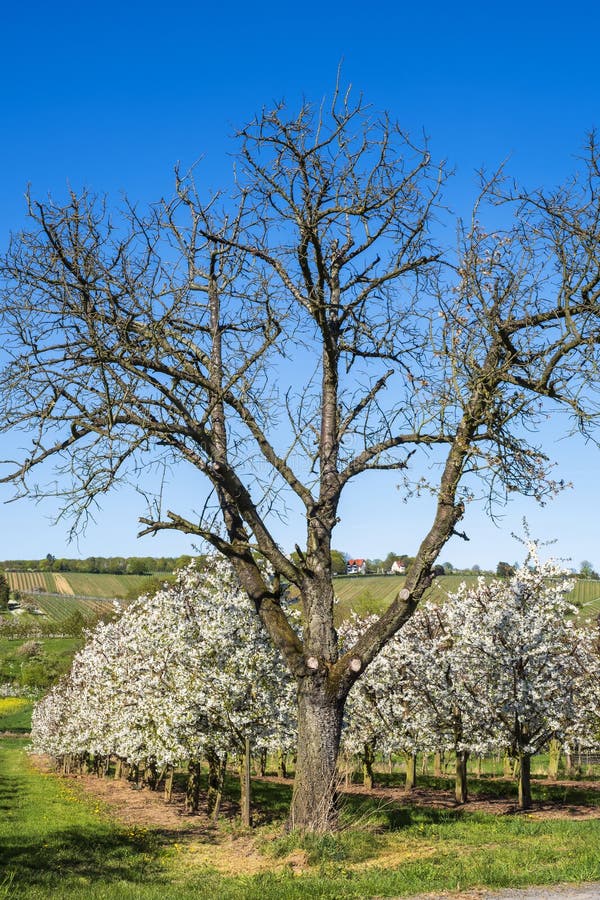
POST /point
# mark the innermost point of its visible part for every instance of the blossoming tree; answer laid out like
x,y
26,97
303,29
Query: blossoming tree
x,y
523,662
285,337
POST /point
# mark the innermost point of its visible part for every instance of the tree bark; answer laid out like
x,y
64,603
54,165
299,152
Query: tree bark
x,y
314,806
411,772
217,767
169,784
437,763
281,764
460,785
554,752
368,760
245,785
192,793
524,780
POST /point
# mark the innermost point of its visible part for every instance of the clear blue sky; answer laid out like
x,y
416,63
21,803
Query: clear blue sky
x,y
111,95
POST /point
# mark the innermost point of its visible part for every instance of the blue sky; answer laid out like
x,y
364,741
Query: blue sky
x,y
112,95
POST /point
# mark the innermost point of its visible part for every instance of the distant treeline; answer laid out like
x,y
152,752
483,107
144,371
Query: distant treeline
x,y
108,565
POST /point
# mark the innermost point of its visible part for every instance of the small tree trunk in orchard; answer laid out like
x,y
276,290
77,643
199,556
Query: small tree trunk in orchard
x,y
411,772
169,783
569,765
479,766
368,758
424,763
460,785
245,784
281,764
150,776
524,781
507,766
314,798
261,763
192,792
217,767
554,752
437,763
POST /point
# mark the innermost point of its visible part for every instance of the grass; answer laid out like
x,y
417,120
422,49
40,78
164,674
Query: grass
x,y
15,714
39,671
55,841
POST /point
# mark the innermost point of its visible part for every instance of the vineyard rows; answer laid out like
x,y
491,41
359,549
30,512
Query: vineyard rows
x,y
79,583
56,609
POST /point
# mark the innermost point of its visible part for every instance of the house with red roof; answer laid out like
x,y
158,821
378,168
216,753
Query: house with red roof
x,y
356,567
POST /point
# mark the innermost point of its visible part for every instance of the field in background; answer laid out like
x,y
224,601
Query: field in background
x,y
79,583
366,594
362,594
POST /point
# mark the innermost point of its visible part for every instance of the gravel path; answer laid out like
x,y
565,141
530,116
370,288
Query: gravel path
x,y
561,892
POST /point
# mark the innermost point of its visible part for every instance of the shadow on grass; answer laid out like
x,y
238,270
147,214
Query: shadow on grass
x,y
98,854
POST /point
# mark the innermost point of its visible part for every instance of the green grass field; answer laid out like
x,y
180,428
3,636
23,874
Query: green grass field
x,y
15,714
40,670
56,841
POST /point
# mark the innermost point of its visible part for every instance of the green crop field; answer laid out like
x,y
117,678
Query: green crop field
x,y
80,583
99,585
31,581
56,609
365,594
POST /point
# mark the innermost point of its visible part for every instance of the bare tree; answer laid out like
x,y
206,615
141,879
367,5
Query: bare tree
x,y
289,336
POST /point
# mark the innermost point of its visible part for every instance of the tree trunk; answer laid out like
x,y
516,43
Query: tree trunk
x,y
460,785
479,766
411,772
314,798
261,763
437,763
192,792
524,780
507,766
150,777
245,785
169,783
281,764
368,760
554,752
217,767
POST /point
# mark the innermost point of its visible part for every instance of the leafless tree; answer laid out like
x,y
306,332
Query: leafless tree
x,y
290,335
